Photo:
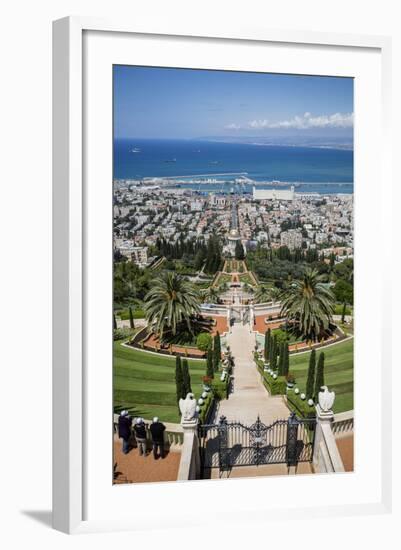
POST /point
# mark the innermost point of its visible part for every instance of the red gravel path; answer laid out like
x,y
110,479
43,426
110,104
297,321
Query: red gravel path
x,y
133,468
346,447
221,324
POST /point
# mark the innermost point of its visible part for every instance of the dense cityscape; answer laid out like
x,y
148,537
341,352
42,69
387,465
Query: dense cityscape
x,y
297,225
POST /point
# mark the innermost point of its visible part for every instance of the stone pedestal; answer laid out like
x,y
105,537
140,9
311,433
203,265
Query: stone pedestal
x,y
190,458
251,318
326,457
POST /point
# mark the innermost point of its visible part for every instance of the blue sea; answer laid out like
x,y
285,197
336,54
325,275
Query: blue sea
x,y
321,170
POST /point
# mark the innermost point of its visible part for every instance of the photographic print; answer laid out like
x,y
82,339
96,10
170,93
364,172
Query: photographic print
x,y
233,249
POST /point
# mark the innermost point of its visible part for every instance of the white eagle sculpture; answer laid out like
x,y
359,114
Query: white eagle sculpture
x,y
188,407
326,399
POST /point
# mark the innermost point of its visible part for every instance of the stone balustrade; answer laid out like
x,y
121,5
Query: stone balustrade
x,y
173,436
343,423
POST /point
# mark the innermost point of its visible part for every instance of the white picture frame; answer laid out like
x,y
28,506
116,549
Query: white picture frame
x,y
70,427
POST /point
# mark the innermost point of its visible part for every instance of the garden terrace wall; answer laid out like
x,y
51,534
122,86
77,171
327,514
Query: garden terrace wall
x,y
139,342
303,346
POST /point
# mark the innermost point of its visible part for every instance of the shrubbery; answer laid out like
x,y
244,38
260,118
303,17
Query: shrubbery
x,y
205,408
220,388
122,333
300,406
281,335
275,386
203,341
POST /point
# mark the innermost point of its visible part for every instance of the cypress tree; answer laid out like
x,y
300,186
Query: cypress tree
x,y
310,382
131,318
216,352
267,344
218,343
281,360
186,378
114,322
273,353
343,312
286,359
209,363
319,374
179,380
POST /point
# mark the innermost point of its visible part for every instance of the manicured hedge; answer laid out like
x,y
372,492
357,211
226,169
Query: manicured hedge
x,y
276,386
300,406
206,407
220,387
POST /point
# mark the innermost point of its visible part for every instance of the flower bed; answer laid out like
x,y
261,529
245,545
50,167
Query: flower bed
x,y
145,341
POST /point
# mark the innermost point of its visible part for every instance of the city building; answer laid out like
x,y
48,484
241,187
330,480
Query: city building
x,y
136,254
217,200
291,238
139,255
274,194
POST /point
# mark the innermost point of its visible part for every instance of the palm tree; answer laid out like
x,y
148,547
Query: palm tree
x,y
210,294
262,294
309,304
266,294
275,294
171,301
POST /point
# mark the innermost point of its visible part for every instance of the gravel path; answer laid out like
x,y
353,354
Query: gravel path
x,y
133,468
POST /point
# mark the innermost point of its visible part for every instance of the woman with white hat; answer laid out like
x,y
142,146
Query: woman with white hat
x,y
124,430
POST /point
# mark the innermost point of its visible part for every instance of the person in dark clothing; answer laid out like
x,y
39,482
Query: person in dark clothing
x,y
124,430
140,435
157,430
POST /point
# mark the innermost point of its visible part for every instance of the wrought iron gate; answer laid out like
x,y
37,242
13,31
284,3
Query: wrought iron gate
x,y
236,314
228,444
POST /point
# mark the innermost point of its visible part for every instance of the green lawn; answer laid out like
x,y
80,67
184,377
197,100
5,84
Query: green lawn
x,y
338,372
137,313
247,279
224,278
338,310
144,383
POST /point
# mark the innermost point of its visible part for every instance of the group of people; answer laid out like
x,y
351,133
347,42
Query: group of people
x,y
127,429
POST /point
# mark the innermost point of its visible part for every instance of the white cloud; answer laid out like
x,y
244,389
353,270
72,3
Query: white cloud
x,y
337,120
233,126
258,124
303,122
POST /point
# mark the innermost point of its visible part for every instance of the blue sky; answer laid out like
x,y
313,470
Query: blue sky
x,y
183,103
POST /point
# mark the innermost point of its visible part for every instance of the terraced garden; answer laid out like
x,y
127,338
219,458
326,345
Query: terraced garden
x,y
144,383
338,372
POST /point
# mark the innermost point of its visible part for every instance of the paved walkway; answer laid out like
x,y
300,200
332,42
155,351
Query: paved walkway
x,y
262,471
249,398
